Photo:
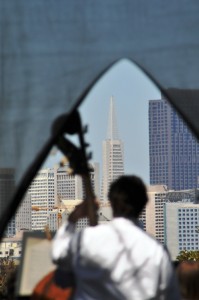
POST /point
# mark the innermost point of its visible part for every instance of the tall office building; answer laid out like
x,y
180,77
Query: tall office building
x,y
155,220
42,193
70,187
50,186
112,150
181,227
23,216
152,217
173,150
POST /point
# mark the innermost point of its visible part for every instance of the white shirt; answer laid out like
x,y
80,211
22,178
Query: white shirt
x,y
117,260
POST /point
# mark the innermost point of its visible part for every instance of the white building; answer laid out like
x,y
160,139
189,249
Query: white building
x,y
51,186
153,217
113,154
181,227
42,191
56,218
70,187
24,214
12,246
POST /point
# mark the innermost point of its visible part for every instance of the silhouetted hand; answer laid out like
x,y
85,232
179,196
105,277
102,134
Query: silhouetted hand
x,y
82,210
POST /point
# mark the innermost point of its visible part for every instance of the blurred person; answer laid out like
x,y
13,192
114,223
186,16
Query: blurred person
x,y
117,260
188,277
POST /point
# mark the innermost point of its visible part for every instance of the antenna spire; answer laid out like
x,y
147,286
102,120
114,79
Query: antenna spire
x,y
112,133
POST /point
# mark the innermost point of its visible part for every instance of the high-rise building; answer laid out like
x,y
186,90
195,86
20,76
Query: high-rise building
x,y
70,187
152,217
181,227
56,218
24,214
50,186
42,192
7,187
173,150
113,156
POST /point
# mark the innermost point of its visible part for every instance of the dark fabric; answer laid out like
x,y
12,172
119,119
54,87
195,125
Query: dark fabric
x,y
64,279
51,52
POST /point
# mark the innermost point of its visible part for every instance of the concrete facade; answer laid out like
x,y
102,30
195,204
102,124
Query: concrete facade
x,y
181,227
23,215
51,186
152,217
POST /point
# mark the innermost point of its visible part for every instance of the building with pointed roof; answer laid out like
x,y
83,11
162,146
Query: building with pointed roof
x,y
113,154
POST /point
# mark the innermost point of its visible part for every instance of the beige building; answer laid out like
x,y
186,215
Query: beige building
x,y
152,217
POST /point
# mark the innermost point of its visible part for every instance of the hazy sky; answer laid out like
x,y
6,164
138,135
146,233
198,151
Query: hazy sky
x,y
131,90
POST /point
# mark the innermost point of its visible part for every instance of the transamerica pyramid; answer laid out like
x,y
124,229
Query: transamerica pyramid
x,y
113,154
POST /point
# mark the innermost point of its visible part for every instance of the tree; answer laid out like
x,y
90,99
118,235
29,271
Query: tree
x,y
191,255
7,269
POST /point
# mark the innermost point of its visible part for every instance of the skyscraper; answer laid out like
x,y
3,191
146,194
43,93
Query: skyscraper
x,y
112,150
173,150
52,185
152,216
181,227
23,216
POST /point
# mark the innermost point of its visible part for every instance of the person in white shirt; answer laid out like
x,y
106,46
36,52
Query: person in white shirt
x,y
117,260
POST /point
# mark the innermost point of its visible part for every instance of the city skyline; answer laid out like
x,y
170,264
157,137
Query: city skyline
x,y
132,117
131,90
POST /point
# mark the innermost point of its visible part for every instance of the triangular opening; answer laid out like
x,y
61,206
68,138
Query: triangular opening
x,y
125,96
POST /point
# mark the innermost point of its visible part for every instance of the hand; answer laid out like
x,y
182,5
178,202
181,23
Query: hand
x,y
82,211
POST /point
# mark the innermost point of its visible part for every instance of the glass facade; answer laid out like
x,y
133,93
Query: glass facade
x,y
173,150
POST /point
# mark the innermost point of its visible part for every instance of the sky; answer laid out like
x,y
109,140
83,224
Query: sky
x,y
131,90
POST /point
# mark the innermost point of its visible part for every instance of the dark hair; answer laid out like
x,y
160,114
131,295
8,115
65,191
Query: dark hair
x,y
188,277
128,196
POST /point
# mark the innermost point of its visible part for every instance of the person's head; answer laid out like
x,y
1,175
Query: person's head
x,y
188,278
128,196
